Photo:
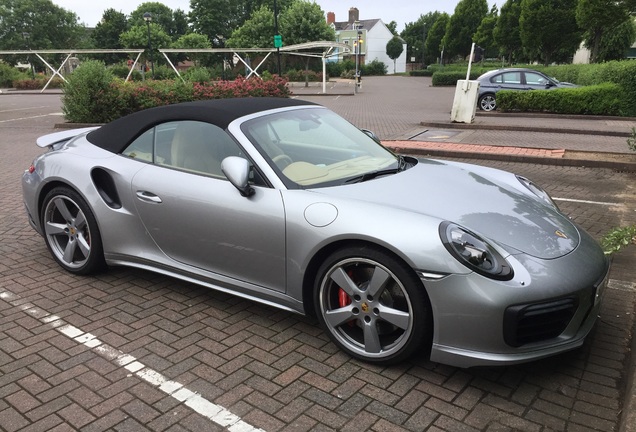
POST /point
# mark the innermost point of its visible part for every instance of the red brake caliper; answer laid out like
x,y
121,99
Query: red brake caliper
x,y
343,297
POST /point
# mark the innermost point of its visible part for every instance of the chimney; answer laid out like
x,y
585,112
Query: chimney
x,y
354,15
331,17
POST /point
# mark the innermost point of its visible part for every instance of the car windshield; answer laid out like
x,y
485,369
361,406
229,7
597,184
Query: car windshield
x,y
314,147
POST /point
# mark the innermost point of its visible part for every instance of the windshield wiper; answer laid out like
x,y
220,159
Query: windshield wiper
x,y
402,164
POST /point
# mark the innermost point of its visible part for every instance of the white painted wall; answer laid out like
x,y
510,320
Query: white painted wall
x,y
377,38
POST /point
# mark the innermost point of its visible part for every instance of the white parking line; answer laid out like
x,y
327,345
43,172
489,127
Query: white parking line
x,y
609,204
215,413
28,118
23,109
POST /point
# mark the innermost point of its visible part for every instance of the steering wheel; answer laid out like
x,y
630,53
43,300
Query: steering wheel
x,y
282,161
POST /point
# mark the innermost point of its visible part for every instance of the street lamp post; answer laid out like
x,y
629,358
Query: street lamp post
x,y
220,40
276,35
358,49
148,19
26,35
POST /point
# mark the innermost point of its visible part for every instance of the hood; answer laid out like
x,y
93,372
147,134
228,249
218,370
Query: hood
x,y
480,199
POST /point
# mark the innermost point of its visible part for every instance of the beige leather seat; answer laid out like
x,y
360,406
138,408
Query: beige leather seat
x,y
192,150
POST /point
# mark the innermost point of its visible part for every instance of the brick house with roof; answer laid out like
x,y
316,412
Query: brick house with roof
x,y
374,35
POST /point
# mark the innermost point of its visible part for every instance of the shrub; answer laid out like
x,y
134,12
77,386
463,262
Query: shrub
x,y
443,78
241,87
602,99
10,74
80,101
121,71
28,84
422,72
197,75
299,76
376,67
94,95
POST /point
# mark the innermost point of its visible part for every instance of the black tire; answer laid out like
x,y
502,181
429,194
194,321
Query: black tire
x,y
71,232
487,102
383,315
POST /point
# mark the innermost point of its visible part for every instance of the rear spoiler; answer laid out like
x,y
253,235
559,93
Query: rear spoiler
x,y
59,137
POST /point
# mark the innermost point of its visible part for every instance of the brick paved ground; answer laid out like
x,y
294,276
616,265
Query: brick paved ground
x,y
275,370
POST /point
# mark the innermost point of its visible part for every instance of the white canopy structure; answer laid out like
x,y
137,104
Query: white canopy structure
x,y
69,53
326,46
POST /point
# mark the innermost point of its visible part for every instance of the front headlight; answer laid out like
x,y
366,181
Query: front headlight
x,y
537,190
474,252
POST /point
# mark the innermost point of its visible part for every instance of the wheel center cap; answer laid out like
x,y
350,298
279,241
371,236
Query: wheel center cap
x,y
72,231
364,307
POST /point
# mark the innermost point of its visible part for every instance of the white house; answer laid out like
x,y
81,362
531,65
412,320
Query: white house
x,y
374,35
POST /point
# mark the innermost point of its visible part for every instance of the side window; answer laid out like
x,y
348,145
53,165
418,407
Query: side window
x,y
142,147
535,79
512,78
199,147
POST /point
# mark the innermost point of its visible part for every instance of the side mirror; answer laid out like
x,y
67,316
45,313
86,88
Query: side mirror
x,y
237,171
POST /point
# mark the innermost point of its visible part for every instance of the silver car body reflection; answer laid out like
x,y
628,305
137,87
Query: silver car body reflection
x,y
465,264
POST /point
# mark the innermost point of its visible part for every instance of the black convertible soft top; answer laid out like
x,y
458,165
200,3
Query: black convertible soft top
x,y
116,135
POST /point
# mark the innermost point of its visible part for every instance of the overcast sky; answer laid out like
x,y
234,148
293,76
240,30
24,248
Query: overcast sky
x,y
400,11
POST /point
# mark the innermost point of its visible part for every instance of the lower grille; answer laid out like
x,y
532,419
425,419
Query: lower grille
x,y
536,322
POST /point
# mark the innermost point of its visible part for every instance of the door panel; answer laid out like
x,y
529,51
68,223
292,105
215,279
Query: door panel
x,y
204,222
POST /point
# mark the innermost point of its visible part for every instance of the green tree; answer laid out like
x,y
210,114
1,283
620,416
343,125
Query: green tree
x,y
256,32
484,36
416,33
107,32
392,26
137,37
216,17
434,45
196,41
174,24
596,17
462,26
559,36
506,33
616,40
394,49
37,24
304,21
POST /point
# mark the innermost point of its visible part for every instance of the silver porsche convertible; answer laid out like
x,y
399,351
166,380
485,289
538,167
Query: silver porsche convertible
x,y
286,203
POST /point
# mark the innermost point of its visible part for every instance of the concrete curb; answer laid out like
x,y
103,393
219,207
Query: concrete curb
x,y
617,161
477,126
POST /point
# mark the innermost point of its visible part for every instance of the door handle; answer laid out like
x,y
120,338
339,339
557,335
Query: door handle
x,y
148,197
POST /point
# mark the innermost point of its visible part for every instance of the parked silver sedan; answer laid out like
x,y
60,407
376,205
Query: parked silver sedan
x,y
284,202
513,79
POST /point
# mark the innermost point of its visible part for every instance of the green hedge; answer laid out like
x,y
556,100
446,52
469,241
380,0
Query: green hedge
x,y
94,95
443,78
621,73
422,72
601,99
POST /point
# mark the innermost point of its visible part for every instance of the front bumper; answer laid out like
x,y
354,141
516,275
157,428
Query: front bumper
x,y
549,307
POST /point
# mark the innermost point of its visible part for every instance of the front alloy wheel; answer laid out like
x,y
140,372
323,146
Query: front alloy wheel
x,y
372,305
70,231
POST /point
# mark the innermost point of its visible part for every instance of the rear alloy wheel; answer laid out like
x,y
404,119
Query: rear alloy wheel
x,y
71,233
487,102
372,305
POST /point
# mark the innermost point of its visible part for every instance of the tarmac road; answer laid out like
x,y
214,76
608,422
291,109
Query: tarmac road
x,y
271,369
